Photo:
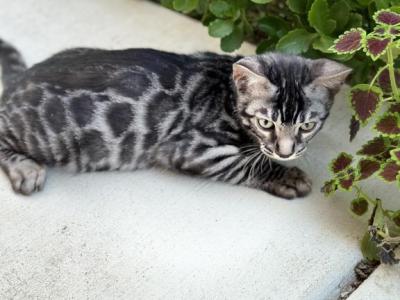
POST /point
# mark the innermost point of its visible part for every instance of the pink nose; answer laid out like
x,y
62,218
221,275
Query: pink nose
x,y
285,148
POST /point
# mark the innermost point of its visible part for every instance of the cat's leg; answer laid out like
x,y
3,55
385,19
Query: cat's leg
x,y
26,176
229,164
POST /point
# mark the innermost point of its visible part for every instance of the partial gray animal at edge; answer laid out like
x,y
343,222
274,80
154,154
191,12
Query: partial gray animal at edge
x,y
226,118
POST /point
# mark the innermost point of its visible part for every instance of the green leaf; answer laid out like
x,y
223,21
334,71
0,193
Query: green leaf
x,y
220,28
265,45
340,12
239,4
220,9
368,248
168,3
380,4
296,41
297,6
355,20
319,17
273,26
323,43
364,2
261,1
379,217
233,41
185,6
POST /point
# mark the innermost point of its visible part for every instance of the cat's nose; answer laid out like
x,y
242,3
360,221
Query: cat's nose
x,y
284,155
285,148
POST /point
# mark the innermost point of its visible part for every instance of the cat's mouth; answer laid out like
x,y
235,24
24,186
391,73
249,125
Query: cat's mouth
x,y
276,156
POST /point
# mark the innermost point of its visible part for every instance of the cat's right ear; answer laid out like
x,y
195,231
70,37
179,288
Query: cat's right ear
x,y
249,82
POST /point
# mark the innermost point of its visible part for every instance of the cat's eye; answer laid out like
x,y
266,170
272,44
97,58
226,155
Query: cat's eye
x,y
265,124
308,126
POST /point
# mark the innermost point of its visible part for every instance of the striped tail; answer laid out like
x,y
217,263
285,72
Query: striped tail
x,y
11,62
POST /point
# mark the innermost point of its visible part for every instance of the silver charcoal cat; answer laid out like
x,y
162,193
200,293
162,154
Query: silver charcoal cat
x,y
216,116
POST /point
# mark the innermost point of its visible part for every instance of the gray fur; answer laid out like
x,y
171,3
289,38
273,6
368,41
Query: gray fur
x,y
95,110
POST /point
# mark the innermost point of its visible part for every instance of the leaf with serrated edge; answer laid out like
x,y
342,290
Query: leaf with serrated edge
x,y
349,42
329,187
389,171
386,17
341,162
375,47
354,127
367,167
373,147
347,182
394,108
388,124
365,101
384,80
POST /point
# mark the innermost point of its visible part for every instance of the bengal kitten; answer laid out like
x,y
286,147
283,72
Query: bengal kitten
x,y
226,118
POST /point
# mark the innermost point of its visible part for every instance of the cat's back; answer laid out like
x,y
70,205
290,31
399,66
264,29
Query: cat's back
x,y
96,109
99,69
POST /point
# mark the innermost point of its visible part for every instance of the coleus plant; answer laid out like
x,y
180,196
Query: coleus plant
x,y
377,102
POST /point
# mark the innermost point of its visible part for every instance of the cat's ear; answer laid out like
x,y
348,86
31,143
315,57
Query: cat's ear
x,y
329,73
249,81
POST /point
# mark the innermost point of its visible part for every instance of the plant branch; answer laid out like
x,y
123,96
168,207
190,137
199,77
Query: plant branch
x,y
380,70
391,74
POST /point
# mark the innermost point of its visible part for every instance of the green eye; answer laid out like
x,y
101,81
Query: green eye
x,y
308,126
265,124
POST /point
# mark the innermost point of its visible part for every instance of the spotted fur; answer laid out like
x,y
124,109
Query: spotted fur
x,y
95,110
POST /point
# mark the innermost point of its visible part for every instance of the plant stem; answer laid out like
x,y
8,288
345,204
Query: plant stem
x,y
387,99
391,74
371,201
381,69
361,193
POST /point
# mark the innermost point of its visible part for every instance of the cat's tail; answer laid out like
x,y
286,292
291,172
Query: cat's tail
x,y
11,62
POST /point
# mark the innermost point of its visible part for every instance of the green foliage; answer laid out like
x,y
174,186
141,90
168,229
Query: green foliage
x,y
378,102
306,27
296,41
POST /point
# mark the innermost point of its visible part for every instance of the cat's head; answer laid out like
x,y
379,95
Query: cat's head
x,y
284,100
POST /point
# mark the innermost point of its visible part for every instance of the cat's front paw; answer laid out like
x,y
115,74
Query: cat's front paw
x,y
26,176
294,183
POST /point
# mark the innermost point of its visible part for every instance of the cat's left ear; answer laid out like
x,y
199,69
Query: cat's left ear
x,y
329,73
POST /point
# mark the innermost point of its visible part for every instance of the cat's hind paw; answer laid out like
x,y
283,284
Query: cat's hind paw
x,y
294,183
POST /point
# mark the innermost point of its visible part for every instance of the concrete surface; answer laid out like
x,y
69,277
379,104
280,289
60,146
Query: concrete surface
x,y
154,234
383,284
